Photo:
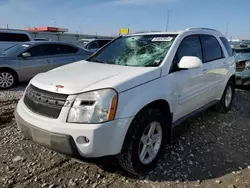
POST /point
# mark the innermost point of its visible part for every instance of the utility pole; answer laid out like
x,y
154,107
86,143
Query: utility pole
x,y
226,29
167,20
27,26
80,28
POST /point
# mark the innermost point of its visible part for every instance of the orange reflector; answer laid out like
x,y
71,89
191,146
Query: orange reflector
x,y
112,109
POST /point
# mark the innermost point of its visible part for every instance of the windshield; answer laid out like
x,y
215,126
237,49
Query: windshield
x,y
138,50
16,49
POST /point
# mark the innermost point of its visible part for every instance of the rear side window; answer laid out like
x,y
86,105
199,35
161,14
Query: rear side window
x,y
93,45
64,49
211,47
41,50
13,37
103,43
227,46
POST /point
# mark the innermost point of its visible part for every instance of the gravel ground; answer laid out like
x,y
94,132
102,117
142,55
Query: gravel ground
x,y
211,150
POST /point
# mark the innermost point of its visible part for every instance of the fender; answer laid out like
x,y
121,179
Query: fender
x,y
132,101
231,72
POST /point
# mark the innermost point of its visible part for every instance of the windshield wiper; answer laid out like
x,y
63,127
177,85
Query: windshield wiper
x,y
98,61
155,64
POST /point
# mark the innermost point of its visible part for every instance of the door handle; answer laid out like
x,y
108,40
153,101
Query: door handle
x,y
224,63
48,61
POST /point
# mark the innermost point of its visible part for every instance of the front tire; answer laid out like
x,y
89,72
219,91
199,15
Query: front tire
x,y
226,101
144,142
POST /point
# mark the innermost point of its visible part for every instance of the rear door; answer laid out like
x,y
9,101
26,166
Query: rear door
x,y
41,60
65,54
214,66
190,90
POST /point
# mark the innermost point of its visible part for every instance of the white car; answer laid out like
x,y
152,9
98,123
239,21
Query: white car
x,y
126,99
11,37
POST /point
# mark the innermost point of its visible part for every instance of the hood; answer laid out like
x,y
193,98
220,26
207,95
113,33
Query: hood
x,y
242,57
85,76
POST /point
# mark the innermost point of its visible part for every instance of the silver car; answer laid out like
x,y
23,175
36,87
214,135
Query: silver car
x,y
23,61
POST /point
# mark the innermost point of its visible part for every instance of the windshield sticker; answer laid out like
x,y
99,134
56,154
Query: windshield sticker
x,y
25,45
162,39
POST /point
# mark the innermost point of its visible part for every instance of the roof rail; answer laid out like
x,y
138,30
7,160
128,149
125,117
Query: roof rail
x,y
190,29
138,32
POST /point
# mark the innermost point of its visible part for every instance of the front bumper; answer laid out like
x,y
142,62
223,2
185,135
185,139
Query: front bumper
x,y
104,139
60,143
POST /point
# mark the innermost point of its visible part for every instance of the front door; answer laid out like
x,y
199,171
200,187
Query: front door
x,y
191,91
40,60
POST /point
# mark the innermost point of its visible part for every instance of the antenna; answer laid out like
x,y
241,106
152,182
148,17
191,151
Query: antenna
x,y
226,30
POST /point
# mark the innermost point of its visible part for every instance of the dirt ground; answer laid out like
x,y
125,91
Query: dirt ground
x,y
210,150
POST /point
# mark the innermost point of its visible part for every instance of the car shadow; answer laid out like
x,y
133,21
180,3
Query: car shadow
x,y
205,147
247,88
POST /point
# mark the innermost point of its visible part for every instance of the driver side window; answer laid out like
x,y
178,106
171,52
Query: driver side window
x,y
190,46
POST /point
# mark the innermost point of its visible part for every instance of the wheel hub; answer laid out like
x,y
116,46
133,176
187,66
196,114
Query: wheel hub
x,y
150,143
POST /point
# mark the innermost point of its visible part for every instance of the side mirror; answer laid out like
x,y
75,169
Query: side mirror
x,y
26,54
190,62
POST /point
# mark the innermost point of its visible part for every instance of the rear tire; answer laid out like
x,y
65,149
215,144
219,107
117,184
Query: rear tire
x,y
141,151
227,98
8,79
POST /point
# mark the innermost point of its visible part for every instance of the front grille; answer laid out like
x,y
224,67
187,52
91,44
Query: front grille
x,y
44,102
240,66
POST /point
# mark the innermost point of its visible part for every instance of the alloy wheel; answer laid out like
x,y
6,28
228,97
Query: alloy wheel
x,y
6,79
150,143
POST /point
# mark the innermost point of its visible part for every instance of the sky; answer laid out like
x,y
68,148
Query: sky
x,y
231,17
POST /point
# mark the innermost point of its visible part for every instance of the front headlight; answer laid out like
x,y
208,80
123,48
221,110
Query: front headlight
x,y
94,107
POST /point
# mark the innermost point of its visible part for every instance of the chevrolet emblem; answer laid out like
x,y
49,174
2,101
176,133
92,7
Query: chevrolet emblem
x,y
59,87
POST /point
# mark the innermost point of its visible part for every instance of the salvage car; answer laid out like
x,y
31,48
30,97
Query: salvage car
x,y
126,99
22,62
241,51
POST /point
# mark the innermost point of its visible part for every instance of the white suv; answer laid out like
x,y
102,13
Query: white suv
x,y
126,99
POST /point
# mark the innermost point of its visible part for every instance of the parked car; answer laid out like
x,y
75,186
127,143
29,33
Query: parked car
x,y
9,38
126,98
92,45
241,50
23,61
